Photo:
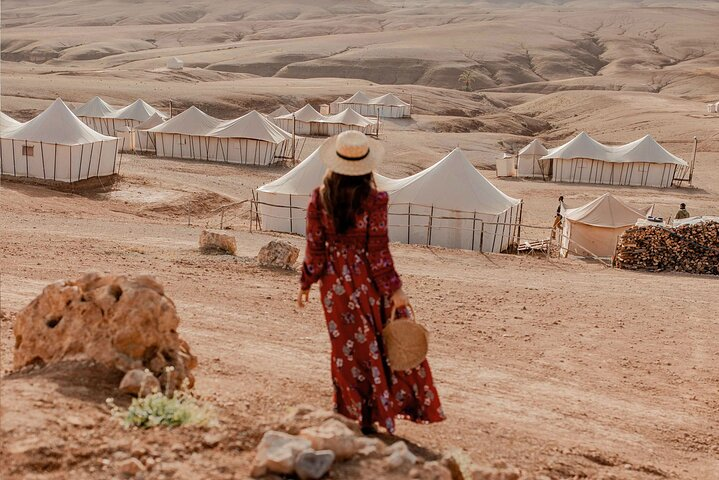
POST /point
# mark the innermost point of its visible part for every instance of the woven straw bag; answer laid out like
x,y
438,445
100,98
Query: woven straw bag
x,y
406,342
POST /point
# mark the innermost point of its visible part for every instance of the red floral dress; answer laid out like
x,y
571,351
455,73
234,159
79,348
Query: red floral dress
x,y
357,277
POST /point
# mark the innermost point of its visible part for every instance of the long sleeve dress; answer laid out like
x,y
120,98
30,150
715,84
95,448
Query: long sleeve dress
x,y
357,278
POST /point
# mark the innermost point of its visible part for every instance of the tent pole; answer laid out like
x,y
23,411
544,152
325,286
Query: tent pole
x,y
27,163
429,226
694,158
474,227
42,156
294,126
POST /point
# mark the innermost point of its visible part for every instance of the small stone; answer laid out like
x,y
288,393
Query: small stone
x,y
436,471
277,452
415,473
399,456
332,435
130,467
211,440
212,241
278,254
370,446
313,465
139,382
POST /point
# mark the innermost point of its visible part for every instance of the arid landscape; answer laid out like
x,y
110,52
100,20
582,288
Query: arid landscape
x,y
562,368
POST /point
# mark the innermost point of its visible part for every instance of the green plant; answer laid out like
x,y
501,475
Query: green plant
x,y
466,78
158,409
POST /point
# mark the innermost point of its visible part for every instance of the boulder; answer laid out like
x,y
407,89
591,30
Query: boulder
x,y
118,321
313,465
278,254
139,382
213,241
332,435
399,456
277,453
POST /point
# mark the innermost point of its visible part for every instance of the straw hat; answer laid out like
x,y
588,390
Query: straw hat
x,y
406,342
351,153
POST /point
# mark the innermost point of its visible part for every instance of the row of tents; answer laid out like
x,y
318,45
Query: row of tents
x,y
388,105
583,159
308,121
449,204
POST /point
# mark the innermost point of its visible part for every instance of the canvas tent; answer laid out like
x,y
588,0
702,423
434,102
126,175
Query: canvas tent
x,y
300,119
387,105
142,139
7,122
529,163
250,139
175,63
449,204
593,229
505,166
57,146
640,163
97,114
278,112
282,204
334,106
345,120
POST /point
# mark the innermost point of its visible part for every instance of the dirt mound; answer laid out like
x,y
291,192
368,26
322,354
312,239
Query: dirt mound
x,y
493,123
199,204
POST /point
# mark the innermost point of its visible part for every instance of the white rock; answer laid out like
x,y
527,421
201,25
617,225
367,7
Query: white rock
x,y
277,452
278,254
139,382
332,435
370,446
313,465
399,456
214,241
436,471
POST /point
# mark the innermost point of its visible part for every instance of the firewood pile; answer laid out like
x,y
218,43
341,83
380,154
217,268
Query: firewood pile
x,y
687,248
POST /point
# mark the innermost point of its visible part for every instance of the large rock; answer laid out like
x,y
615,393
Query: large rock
x,y
333,435
277,452
277,254
313,465
303,416
139,382
118,321
212,241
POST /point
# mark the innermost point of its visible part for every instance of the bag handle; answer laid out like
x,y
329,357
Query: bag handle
x,y
393,313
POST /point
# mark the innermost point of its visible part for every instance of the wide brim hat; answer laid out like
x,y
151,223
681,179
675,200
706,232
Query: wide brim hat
x,y
351,153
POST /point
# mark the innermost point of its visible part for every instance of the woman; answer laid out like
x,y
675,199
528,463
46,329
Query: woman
x,y
348,253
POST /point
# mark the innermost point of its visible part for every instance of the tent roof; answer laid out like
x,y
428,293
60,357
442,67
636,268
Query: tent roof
x,y
281,110
349,117
252,125
7,122
138,110
304,114
390,100
307,176
581,146
192,121
96,107
606,211
153,121
359,97
535,147
338,100
453,184
57,124
645,149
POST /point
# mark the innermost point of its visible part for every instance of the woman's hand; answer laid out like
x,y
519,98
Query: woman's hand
x,y
303,296
399,299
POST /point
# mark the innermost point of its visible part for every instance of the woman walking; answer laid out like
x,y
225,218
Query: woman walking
x,y
348,253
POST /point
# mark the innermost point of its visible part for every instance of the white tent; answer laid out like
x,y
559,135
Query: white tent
x,y
640,163
97,114
387,105
334,106
300,119
57,146
341,122
282,204
711,108
593,229
449,204
7,122
529,163
142,139
278,112
186,135
175,63
505,166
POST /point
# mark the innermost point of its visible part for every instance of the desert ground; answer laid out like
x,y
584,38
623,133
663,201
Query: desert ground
x,y
564,368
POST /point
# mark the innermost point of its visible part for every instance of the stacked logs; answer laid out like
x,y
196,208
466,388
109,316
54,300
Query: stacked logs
x,y
687,248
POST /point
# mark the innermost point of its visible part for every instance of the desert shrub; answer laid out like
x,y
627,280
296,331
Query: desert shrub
x,y
158,409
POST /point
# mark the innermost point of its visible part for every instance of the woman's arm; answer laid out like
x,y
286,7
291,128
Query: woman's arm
x,y
316,253
380,259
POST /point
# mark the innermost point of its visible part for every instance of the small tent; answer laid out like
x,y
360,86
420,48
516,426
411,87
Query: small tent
x,y
186,135
278,112
299,120
345,120
97,114
505,166
57,146
282,204
7,122
387,105
334,106
593,229
529,163
174,63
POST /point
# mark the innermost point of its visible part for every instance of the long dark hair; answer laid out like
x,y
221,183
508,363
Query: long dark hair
x,y
343,196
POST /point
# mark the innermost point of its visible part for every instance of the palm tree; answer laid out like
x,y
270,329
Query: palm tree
x,y
466,78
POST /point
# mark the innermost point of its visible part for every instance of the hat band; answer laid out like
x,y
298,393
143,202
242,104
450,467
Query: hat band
x,y
352,159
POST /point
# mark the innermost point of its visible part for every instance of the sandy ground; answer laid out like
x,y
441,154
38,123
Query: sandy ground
x,y
564,368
